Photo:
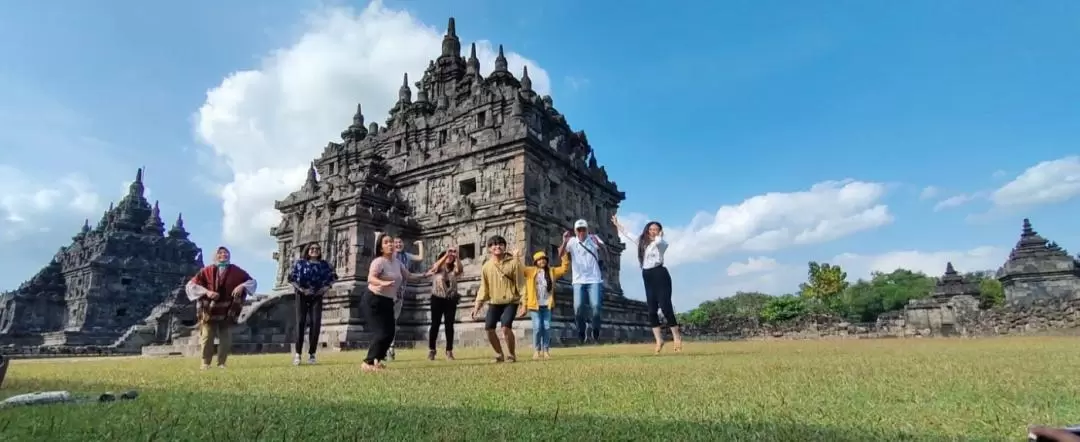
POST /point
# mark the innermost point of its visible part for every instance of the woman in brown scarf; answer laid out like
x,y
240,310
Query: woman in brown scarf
x,y
219,290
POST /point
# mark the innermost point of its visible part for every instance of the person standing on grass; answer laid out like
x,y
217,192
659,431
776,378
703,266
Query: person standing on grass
x,y
651,248
539,299
406,260
587,279
311,277
444,299
385,275
219,291
500,287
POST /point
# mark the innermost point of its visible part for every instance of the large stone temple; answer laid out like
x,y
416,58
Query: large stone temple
x,y
1038,269
462,157
108,279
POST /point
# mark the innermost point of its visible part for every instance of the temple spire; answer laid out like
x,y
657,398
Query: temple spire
x,y
451,46
312,181
526,82
472,66
154,225
405,93
356,131
136,188
500,61
177,230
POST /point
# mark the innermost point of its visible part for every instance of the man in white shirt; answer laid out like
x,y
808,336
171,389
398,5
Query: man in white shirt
x,y
587,278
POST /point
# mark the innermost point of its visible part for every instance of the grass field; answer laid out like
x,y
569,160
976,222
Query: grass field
x,y
915,389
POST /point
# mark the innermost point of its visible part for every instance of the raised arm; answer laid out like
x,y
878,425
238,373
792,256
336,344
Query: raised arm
x,y
195,289
458,268
419,256
564,266
565,240
438,264
622,231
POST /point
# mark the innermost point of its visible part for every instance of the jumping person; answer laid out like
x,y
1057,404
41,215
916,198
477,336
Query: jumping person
x,y
650,252
311,277
219,290
406,259
587,279
539,299
500,287
444,299
385,275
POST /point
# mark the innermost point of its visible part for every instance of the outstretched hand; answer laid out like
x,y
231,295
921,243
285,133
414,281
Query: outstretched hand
x,y
567,235
1053,434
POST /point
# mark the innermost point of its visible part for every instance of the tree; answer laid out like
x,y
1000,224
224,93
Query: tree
x,y
991,293
783,308
865,300
824,283
748,304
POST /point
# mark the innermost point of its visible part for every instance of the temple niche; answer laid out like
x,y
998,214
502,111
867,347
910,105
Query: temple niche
x,y
461,156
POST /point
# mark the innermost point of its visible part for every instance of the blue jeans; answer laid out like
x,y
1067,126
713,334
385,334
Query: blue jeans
x,y
593,313
541,321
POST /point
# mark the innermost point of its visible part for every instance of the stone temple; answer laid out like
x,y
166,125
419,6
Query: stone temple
x,y
1038,269
462,157
108,279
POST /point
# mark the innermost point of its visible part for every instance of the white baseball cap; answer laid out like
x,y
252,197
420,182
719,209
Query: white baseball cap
x,y
580,224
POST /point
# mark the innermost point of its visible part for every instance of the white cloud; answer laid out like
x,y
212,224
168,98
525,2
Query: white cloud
x,y
1048,182
957,200
999,174
752,265
28,204
930,263
827,211
268,123
929,192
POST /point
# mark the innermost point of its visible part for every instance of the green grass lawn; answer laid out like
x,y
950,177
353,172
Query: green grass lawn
x,y
914,389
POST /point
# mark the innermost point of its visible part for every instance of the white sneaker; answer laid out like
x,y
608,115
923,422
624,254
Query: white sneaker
x,y
390,354
296,359
311,359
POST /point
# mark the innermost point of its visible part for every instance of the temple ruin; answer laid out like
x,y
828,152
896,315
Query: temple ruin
x,y
1038,269
108,279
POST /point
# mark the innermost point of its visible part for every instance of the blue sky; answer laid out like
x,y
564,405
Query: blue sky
x,y
940,124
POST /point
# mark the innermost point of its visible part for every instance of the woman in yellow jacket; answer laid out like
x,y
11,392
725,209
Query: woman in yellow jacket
x,y
539,299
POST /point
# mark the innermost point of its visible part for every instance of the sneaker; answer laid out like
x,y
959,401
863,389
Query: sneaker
x,y
221,366
311,359
296,359
204,367
431,355
390,354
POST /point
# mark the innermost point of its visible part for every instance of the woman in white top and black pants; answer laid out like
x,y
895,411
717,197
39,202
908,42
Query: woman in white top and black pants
x,y
651,248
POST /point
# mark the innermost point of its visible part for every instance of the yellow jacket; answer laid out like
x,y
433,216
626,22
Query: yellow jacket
x,y
529,301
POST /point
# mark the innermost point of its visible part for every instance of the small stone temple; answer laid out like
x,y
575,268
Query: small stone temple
x,y
953,302
106,280
1038,269
462,157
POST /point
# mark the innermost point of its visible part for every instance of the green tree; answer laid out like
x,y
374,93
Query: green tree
x,y
783,308
865,300
748,304
824,284
990,291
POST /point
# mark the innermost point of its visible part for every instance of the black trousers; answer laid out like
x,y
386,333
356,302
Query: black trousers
x,y
658,296
443,311
380,321
308,314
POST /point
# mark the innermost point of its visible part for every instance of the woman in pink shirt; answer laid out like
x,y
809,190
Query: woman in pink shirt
x,y
385,276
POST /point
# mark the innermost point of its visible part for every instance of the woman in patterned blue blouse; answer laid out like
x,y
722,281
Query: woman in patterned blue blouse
x,y
311,277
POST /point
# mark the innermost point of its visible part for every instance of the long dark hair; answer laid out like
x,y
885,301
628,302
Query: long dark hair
x,y
307,249
378,244
546,269
643,240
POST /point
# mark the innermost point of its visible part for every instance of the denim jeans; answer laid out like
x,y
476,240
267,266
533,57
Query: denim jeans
x,y
541,322
594,291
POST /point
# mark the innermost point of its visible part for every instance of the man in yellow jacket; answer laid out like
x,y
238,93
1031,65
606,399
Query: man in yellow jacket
x,y
500,288
539,299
